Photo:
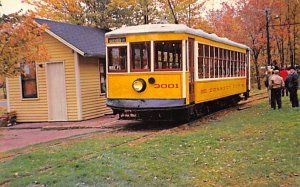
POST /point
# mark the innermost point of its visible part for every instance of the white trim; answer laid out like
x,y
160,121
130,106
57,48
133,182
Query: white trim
x,y
152,56
240,63
209,61
184,68
226,78
117,45
37,86
65,42
203,61
214,61
7,95
128,58
249,70
218,59
230,64
187,58
78,86
196,65
106,69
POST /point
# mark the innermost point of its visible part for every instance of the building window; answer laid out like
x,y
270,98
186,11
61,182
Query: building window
x,y
28,80
140,56
168,55
102,71
117,59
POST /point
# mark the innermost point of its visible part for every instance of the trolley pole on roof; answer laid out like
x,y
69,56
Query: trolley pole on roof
x,y
268,37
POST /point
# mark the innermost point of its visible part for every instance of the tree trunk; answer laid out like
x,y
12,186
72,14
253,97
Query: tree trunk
x,y
257,75
268,39
280,48
290,45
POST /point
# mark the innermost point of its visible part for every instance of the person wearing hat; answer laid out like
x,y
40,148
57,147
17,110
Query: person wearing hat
x,y
292,81
276,84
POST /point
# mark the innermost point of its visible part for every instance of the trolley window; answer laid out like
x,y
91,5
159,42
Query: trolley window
x,y
168,55
206,62
201,61
117,59
140,56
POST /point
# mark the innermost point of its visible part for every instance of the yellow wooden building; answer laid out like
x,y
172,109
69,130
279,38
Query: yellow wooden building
x,y
70,86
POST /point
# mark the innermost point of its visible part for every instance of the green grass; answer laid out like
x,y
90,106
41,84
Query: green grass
x,y
253,147
254,89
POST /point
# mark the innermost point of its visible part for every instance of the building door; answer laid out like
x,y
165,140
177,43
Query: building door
x,y
191,70
57,102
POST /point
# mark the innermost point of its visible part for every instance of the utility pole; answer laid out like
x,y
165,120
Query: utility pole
x,y
268,38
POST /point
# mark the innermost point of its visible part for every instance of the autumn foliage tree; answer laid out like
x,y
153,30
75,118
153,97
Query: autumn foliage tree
x,y
249,22
100,13
186,12
71,11
20,42
245,21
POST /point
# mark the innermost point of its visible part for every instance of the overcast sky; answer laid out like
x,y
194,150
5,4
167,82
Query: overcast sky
x,y
10,6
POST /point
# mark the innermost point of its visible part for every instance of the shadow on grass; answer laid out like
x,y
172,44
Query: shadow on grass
x,y
151,125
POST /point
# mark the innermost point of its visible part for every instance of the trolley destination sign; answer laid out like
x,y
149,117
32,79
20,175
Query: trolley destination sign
x,y
117,40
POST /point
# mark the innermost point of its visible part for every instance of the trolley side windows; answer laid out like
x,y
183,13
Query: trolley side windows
x,y
117,59
232,61
212,62
217,61
206,61
140,56
227,63
201,61
222,63
243,71
239,63
168,55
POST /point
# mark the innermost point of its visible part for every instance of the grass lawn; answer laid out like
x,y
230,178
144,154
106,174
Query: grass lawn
x,y
253,147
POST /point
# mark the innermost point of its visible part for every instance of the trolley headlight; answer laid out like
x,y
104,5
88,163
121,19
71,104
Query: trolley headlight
x,y
139,85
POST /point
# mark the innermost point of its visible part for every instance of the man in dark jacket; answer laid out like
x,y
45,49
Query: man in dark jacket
x,y
292,81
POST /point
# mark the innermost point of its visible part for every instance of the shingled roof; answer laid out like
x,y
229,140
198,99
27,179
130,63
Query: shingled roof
x,y
87,41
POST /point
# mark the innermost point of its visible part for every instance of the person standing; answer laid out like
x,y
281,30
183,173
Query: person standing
x,y
284,73
276,83
292,81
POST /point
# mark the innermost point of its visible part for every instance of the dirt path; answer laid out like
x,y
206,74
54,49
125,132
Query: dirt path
x,y
26,134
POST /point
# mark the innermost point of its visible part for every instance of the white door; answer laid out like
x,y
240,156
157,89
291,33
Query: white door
x,y
57,102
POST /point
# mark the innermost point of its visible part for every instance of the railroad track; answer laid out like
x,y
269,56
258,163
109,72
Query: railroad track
x,y
209,117
153,132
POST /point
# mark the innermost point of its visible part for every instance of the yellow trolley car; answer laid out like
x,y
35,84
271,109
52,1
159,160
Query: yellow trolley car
x,y
166,71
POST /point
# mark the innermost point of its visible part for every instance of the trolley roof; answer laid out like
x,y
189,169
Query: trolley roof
x,y
171,28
